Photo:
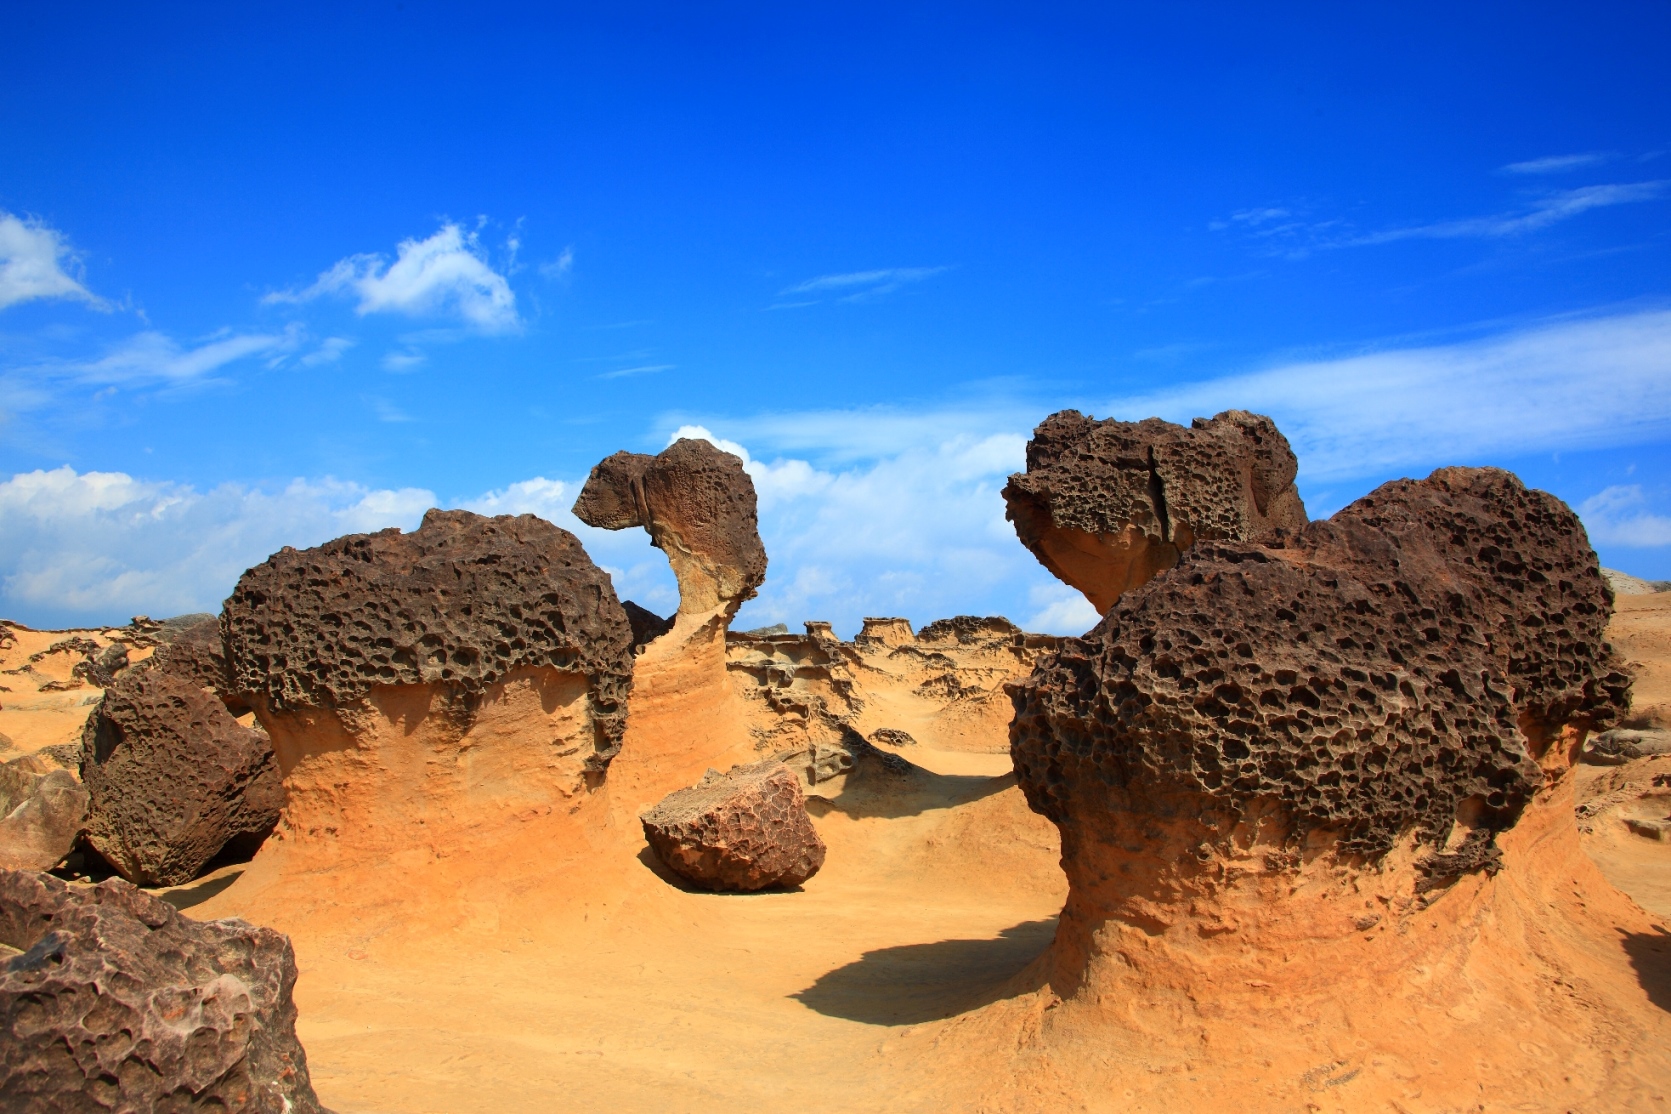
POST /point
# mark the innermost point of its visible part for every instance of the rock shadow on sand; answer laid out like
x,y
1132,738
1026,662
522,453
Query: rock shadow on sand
x,y
1650,955
916,983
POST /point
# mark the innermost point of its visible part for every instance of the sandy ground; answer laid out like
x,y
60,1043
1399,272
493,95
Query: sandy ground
x,y
552,968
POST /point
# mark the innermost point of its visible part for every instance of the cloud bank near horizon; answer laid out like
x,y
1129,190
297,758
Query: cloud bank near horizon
x,y
881,511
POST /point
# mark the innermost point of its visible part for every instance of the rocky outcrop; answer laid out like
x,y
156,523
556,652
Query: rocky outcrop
x,y
173,778
742,831
1398,676
698,505
117,1002
42,810
459,605
1107,505
646,625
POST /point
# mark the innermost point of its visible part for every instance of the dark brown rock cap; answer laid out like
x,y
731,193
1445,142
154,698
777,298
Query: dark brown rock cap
x,y
1398,668
459,604
743,830
1106,505
117,1002
698,505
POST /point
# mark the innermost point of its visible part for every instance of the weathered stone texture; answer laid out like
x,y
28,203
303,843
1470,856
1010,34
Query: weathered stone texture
x,y
646,625
172,777
459,604
42,810
699,507
1106,505
117,1002
1394,669
743,830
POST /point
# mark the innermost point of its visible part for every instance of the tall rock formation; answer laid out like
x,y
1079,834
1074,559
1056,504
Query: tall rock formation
x,y
1107,505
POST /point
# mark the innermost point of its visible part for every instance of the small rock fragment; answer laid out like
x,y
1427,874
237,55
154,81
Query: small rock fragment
x,y
743,830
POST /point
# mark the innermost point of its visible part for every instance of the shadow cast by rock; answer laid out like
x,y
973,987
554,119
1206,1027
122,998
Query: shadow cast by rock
x,y
1650,954
887,795
914,983
660,870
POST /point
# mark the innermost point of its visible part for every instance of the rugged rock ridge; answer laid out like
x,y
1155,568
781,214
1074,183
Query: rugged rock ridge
x,y
1106,505
1398,670
119,1003
460,604
699,507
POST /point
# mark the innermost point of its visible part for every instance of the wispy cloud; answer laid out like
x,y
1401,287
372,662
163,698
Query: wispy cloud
x,y
1558,164
446,274
1541,213
387,411
858,286
330,350
152,357
629,372
402,361
33,262
1619,516
559,267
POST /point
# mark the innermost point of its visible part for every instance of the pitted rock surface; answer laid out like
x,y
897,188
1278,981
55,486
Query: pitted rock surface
x,y
743,830
1106,505
699,507
120,1003
198,653
42,811
1371,674
646,625
173,778
459,603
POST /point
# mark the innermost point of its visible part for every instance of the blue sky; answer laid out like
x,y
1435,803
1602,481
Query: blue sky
x,y
271,275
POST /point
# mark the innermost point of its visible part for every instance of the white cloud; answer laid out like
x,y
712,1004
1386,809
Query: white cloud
x,y
402,361
330,350
629,372
1617,516
32,261
446,274
1557,164
1568,385
1541,213
152,357
858,286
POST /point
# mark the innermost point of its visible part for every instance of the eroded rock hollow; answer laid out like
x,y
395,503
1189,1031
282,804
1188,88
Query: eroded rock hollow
x,y
1106,505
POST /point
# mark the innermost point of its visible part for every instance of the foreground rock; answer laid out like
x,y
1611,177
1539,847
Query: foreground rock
x,y
699,507
741,831
173,778
42,810
1106,505
119,1003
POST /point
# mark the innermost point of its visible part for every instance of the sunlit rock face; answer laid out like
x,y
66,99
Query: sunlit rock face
x,y
1107,505
699,507
418,686
1397,683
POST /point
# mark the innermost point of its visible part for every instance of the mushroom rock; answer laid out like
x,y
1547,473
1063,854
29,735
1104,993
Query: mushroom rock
x,y
698,505
117,1002
743,830
443,692
172,777
1296,772
1107,505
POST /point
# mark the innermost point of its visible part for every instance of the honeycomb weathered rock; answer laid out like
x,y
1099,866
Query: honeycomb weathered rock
x,y
172,777
42,810
699,507
459,603
1106,505
1398,668
743,830
120,1003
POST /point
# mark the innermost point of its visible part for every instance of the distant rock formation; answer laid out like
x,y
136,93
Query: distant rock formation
x,y
741,831
1401,676
117,1002
1106,505
172,777
647,626
699,507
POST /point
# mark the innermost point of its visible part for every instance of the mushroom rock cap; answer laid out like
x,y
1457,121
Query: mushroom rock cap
x,y
1398,669
1106,505
460,603
120,1003
699,507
